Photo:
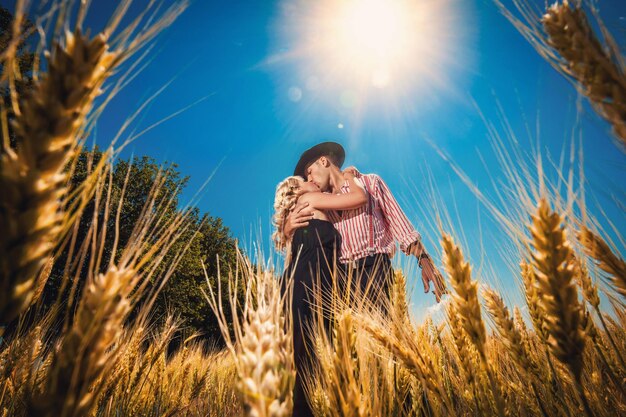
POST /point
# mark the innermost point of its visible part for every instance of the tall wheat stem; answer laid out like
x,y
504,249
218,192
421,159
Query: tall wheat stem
x,y
555,268
32,178
467,305
601,79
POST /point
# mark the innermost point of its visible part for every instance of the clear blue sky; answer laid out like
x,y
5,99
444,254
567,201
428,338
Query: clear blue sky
x,y
271,99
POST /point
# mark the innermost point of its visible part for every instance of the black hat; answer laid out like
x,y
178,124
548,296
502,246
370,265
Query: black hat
x,y
331,149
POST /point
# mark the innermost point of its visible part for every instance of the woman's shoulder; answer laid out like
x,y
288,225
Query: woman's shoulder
x,y
307,197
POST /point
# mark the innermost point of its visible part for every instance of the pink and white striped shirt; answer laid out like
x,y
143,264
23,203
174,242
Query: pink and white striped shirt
x,y
374,227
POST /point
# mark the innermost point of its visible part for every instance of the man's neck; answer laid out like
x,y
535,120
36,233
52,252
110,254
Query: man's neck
x,y
336,180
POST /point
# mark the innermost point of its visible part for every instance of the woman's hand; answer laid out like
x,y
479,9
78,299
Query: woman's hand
x,y
299,217
350,171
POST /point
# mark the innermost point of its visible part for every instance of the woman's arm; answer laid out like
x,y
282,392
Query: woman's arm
x,y
351,200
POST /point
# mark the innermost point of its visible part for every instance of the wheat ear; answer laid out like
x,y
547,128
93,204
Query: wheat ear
x,y
87,349
614,266
408,351
465,298
601,79
532,301
465,302
345,379
590,292
512,339
262,347
554,269
32,178
509,334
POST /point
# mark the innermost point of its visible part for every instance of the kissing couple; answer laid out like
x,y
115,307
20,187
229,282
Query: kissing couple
x,y
323,213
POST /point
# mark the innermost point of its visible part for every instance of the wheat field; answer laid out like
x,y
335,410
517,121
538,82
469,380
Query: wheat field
x,y
561,353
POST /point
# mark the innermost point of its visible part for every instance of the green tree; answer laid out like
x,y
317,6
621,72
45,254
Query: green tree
x,y
24,61
206,240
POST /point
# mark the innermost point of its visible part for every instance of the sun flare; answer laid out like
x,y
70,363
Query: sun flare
x,y
364,59
380,43
371,38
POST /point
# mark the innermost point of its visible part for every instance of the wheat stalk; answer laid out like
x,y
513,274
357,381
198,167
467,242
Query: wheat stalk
x,y
554,269
596,248
32,177
600,78
465,302
86,351
262,346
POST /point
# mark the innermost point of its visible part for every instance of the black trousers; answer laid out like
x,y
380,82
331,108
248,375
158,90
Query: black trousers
x,y
372,277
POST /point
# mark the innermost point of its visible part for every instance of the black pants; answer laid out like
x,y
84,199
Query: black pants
x,y
314,249
372,277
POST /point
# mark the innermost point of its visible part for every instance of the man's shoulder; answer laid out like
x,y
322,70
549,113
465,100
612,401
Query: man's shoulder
x,y
370,179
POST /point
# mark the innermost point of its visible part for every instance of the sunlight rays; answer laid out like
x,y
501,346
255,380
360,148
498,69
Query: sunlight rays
x,y
358,58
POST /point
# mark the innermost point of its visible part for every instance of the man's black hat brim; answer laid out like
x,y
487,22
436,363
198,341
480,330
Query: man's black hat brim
x,y
331,149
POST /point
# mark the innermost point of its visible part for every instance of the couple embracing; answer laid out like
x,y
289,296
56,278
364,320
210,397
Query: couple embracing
x,y
322,214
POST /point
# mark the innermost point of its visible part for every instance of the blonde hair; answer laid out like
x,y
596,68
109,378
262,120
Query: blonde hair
x,y
287,193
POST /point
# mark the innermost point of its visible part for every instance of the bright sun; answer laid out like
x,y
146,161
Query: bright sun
x,y
371,38
350,53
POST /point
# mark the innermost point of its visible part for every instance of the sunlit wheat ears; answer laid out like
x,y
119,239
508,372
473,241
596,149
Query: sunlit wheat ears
x,y
600,75
408,350
399,308
32,178
611,264
466,352
264,350
532,300
465,297
554,270
465,304
566,39
589,289
509,334
346,381
262,346
86,349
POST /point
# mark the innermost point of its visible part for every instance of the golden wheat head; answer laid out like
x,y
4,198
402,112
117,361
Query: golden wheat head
x,y
601,79
554,271
32,178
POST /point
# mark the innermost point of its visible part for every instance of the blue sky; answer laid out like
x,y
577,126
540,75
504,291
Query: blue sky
x,y
269,99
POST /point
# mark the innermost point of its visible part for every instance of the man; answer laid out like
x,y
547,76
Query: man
x,y
369,233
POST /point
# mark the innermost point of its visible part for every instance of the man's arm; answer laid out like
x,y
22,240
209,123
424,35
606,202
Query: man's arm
x,y
410,240
401,228
355,197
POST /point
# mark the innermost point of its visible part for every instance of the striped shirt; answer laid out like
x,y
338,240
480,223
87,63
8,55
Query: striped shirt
x,y
374,227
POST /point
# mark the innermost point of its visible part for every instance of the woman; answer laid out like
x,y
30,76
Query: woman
x,y
310,256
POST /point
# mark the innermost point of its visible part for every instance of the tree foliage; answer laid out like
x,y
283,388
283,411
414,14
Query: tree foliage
x,y
22,66
206,241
